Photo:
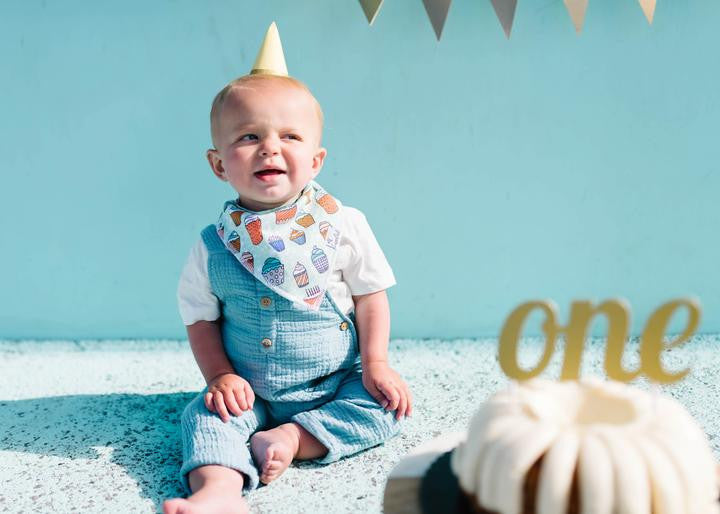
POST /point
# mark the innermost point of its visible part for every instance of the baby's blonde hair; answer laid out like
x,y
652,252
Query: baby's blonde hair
x,y
248,82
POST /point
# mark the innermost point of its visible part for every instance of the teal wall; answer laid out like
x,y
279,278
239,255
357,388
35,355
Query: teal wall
x,y
492,171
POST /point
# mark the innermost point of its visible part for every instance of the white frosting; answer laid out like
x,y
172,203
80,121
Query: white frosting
x,y
634,452
595,476
554,489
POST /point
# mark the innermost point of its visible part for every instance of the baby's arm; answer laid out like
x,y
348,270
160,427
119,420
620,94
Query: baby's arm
x,y
226,390
372,317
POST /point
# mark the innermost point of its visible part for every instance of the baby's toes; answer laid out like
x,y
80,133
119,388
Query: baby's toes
x,y
269,456
273,472
270,477
176,506
270,452
269,460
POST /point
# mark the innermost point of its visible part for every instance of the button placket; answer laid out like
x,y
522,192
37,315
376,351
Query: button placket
x,y
266,317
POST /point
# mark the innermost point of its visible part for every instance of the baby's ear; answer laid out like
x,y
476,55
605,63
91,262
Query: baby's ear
x,y
215,162
319,159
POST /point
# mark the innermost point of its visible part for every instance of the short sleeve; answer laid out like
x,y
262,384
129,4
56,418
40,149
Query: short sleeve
x,y
365,270
196,300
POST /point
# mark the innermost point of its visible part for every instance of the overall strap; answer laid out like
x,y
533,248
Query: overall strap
x,y
212,241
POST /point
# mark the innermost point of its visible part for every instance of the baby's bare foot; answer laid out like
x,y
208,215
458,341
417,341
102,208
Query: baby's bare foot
x,y
205,504
273,450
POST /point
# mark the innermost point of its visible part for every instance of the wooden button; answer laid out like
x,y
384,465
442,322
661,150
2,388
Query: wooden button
x,y
344,325
267,343
265,301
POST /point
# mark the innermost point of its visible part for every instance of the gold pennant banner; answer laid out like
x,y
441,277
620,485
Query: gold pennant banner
x,y
371,9
577,9
437,11
648,7
505,11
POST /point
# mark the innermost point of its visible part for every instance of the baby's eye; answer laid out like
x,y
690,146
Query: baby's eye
x,y
247,137
293,136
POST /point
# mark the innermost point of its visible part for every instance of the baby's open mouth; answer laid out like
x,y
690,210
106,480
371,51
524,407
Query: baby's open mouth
x,y
268,173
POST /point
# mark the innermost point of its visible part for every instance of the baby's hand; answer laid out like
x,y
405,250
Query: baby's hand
x,y
387,387
229,392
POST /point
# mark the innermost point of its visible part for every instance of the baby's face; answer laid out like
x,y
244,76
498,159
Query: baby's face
x,y
267,142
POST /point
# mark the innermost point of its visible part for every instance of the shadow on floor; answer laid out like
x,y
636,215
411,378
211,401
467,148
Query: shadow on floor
x,y
143,432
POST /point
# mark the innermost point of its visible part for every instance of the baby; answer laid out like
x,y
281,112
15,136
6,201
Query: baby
x,y
299,377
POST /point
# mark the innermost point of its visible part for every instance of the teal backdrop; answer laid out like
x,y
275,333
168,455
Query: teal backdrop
x,y
492,171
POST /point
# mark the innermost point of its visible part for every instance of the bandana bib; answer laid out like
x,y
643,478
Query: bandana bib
x,y
290,249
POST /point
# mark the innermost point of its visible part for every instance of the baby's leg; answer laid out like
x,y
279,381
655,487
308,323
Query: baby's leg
x,y
351,422
215,489
275,449
216,454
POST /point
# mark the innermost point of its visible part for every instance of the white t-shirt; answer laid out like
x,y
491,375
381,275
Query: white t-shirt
x,y
360,268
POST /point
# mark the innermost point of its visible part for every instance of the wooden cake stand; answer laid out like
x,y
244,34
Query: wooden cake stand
x,y
402,491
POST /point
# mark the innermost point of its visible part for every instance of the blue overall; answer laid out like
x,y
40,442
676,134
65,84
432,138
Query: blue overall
x,y
303,365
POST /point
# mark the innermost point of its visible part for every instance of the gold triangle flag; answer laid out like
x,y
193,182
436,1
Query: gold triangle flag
x,y
437,12
371,9
577,9
505,11
648,7
270,59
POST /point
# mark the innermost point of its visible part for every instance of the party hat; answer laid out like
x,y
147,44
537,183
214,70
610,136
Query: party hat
x,y
270,59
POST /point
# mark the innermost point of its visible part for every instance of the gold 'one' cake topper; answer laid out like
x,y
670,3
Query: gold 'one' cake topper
x,y
617,312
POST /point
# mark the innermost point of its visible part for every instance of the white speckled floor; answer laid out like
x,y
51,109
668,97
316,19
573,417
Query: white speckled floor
x,y
93,426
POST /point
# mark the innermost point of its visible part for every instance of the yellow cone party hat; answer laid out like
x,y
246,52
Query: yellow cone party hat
x,y
270,59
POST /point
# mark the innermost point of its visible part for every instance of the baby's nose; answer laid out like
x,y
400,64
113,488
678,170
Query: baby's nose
x,y
269,147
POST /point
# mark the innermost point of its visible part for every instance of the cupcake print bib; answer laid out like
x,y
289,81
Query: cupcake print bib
x,y
290,249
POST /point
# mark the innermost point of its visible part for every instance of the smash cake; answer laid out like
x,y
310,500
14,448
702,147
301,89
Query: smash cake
x,y
575,445
585,446
556,447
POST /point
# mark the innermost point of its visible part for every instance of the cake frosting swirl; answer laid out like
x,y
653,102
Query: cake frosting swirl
x,y
591,447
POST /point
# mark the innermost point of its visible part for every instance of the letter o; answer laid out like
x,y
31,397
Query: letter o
x,y
510,335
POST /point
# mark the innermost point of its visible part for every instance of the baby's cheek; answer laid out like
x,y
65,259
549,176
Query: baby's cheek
x,y
237,157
